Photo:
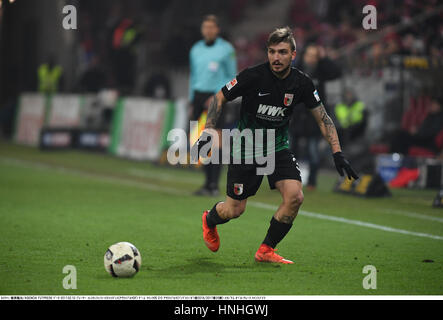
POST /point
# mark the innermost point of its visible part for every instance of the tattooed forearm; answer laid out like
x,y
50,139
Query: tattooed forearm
x,y
327,128
330,132
214,111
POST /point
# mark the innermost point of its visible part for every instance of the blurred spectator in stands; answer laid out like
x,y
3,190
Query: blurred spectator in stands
x,y
241,47
49,75
300,35
412,45
158,86
351,116
345,35
94,78
122,45
300,13
426,141
391,41
87,42
436,52
320,68
236,9
426,134
376,56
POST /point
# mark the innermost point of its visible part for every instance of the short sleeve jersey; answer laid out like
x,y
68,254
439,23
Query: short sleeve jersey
x,y
268,101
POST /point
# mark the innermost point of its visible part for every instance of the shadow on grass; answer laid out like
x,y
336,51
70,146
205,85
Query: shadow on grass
x,y
207,265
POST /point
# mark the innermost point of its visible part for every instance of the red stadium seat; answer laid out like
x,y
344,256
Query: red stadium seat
x,y
404,177
425,152
439,140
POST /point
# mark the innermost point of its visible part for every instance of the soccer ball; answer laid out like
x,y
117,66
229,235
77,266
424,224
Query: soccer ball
x,y
122,260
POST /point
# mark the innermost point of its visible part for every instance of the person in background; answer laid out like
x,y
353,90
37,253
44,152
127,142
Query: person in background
x,y
49,76
425,135
429,135
351,116
158,86
320,69
212,64
94,77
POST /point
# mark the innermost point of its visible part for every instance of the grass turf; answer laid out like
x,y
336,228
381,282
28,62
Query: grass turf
x,y
66,208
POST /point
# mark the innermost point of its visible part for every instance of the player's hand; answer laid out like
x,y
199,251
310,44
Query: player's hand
x,y
204,139
342,164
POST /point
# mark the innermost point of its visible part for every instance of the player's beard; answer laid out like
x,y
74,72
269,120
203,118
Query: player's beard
x,y
281,73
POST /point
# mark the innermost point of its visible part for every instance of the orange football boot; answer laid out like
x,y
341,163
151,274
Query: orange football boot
x,y
267,254
210,235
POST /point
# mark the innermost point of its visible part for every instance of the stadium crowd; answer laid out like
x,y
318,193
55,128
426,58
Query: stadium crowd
x,y
113,39
336,25
127,45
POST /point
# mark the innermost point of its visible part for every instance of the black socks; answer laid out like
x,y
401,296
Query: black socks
x,y
276,232
212,174
213,219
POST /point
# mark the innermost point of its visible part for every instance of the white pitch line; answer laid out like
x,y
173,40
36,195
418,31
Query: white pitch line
x,y
261,205
163,176
99,177
414,215
349,221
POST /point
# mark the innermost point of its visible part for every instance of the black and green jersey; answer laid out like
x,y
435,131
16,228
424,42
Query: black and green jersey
x,y
268,102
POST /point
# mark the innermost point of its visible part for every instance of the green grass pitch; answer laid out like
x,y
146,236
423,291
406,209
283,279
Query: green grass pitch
x,y
66,208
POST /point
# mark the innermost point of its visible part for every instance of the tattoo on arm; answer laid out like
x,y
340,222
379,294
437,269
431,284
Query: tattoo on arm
x,y
328,128
214,112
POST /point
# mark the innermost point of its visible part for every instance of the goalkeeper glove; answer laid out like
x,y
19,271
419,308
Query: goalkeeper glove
x,y
342,164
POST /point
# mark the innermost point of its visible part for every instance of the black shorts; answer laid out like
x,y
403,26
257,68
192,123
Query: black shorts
x,y
244,182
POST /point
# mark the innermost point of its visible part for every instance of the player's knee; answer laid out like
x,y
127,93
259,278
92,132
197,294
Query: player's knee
x,y
236,211
298,199
295,200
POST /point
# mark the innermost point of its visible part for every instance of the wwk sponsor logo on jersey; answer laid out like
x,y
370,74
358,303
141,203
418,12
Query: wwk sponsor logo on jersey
x,y
268,112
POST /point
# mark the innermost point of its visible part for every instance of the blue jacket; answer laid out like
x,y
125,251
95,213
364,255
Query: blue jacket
x,y
211,66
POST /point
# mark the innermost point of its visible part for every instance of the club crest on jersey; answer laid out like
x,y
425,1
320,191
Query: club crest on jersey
x,y
238,188
288,99
231,84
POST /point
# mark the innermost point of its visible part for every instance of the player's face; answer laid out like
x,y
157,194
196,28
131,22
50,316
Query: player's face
x,y
209,30
280,56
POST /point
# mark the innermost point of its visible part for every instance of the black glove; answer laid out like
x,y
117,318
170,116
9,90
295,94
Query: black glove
x,y
341,163
204,139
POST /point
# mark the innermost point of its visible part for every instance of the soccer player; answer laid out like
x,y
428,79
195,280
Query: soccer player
x,y
280,87
212,64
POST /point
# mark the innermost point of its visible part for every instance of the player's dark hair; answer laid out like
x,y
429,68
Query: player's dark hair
x,y
281,35
212,18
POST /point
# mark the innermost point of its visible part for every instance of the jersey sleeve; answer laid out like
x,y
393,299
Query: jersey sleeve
x,y
310,96
238,86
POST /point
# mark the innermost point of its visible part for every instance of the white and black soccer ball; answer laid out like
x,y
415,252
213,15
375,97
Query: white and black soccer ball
x,y
122,260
